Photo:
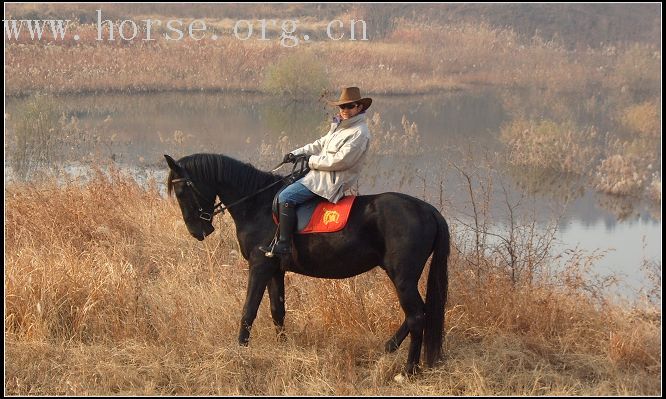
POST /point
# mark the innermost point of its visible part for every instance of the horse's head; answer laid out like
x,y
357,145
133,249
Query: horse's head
x,y
195,198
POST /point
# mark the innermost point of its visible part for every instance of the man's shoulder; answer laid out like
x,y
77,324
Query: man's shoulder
x,y
363,128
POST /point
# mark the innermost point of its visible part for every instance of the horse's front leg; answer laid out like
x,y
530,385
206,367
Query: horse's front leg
x,y
261,271
276,295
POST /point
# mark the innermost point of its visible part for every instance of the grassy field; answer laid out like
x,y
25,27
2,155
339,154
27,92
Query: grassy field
x,y
106,293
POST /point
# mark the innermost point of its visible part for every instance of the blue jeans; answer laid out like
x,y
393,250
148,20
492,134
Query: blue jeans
x,y
296,194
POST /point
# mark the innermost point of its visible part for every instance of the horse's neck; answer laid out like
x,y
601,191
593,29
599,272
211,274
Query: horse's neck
x,y
232,190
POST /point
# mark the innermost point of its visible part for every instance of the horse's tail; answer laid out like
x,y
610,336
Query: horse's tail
x,y
438,282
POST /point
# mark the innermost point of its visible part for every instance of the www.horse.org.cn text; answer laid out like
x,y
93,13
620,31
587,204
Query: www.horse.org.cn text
x,y
177,29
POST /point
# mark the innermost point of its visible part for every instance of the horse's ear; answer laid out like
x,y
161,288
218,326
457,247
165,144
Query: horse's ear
x,y
173,165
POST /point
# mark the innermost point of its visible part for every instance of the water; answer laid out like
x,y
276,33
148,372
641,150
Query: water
x,y
454,129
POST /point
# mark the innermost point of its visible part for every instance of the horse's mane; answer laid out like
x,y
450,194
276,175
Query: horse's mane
x,y
218,168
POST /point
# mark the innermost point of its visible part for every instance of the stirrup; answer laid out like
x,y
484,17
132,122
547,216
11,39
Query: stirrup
x,y
268,249
286,250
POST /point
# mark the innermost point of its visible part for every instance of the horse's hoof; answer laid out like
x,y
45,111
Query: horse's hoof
x,y
391,346
412,369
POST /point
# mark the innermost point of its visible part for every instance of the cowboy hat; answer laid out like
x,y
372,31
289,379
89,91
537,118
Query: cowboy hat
x,y
352,95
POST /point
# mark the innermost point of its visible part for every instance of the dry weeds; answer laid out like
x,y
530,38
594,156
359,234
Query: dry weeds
x,y
106,293
409,61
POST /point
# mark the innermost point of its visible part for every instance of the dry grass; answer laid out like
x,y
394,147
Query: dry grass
x,y
106,293
550,145
619,175
408,61
610,164
643,119
630,167
635,68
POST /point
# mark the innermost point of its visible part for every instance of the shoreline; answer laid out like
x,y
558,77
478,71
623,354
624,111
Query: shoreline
x,y
221,90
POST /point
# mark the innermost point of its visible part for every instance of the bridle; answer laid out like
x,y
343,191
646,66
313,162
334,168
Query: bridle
x,y
208,216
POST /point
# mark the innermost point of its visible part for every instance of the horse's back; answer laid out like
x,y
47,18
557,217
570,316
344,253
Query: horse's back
x,y
407,225
379,225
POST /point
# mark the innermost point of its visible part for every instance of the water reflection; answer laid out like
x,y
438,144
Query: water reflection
x,y
562,187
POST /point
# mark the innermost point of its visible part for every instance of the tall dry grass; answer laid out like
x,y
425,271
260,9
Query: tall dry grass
x,y
612,164
643,119
106,293
411,59
630,167
550,145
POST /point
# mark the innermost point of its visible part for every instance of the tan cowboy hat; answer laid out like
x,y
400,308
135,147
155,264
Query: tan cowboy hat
x,y
352,95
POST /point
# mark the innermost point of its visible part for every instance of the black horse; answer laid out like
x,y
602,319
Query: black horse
x,y
394,231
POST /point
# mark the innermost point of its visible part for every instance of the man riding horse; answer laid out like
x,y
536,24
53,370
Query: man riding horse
x,y
369,239
335,162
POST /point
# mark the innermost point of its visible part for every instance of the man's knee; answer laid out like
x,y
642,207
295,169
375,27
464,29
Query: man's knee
x,y
282,198
290,194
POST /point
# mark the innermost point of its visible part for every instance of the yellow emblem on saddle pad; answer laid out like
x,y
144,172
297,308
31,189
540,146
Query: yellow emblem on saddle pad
x,y
330,217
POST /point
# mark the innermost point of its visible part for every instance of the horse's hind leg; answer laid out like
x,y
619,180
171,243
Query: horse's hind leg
x,y
394,342
414,308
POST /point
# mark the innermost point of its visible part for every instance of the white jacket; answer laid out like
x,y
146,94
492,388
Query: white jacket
x,y
336,159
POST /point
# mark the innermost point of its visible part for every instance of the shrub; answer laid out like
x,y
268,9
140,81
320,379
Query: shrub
x,y
297,75
37,130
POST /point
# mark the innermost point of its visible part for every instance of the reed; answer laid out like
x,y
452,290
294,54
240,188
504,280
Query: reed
x,y
408,60
106,293
547,144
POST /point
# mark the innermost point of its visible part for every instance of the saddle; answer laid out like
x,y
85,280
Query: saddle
x,y
319,215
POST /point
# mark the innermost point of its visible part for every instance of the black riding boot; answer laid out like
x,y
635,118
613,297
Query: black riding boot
x,y
286,224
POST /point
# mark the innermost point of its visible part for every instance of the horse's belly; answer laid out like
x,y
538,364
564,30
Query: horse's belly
x,y
331,262
352,251
312,269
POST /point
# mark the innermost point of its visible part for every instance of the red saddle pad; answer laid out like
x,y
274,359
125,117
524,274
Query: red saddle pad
x,y
328,217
